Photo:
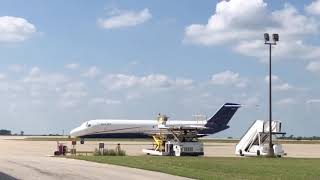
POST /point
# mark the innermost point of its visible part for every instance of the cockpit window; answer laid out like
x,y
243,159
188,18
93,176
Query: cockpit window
x,y
88,125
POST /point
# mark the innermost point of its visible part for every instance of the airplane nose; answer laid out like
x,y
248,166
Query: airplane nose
x,y
74,132
71,132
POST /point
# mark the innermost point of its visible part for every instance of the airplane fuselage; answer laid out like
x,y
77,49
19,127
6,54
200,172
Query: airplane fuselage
x,y
126,128
142,128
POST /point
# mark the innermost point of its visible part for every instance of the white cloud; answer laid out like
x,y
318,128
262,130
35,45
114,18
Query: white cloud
x,y
15,29
233,20
184,82
2,76
119,81
251,102
278,84
134,62
72,66
274,78
13,107
35,71
39,83
283,87
11,87
36,76
123,81
228,78
313,101
112,102
286,101
17,68
99,100
314,8
121,19
74,90
132,96
92,72
230,24
74,94
36,102
285,50
33,76
313,66
289,22
241,24
68,103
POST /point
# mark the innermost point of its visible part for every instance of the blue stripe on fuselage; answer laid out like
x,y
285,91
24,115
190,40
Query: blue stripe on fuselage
x,y
116,135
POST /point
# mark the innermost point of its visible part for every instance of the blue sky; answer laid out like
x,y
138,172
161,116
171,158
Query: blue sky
x,y
64,62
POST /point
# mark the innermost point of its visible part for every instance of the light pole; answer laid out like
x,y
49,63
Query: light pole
x,y
275,39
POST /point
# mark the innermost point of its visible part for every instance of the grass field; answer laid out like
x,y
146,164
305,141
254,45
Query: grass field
x,y
219,167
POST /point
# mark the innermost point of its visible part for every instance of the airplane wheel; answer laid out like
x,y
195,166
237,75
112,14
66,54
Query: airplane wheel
x,y
240,152
82,141
258,153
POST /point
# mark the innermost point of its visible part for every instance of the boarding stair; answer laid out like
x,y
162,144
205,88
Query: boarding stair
x,y
255,140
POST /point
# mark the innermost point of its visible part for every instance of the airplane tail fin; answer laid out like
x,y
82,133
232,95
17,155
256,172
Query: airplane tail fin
x,y
223,116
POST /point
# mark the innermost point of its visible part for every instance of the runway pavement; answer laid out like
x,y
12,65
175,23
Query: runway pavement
x,y
30,159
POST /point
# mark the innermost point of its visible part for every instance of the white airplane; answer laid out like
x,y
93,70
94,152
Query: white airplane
x,y
110,128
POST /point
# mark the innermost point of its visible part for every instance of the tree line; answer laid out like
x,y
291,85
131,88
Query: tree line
x,y
292,137
5,132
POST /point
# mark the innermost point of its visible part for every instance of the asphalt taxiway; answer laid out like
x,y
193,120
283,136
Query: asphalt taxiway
x,y
32,159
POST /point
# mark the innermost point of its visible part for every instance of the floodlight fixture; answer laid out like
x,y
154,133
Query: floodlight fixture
x,y
266,37
275,37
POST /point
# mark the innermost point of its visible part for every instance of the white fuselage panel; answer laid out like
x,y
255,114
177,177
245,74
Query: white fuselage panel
x,y
109,126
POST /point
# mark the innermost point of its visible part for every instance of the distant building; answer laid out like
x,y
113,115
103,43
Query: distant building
x,y
5,132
